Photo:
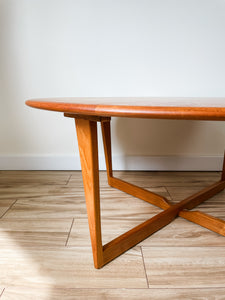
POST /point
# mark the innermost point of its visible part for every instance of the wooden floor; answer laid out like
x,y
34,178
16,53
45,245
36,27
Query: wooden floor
x,y
46,252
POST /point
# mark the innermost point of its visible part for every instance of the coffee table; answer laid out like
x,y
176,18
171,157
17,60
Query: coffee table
x,y
87,112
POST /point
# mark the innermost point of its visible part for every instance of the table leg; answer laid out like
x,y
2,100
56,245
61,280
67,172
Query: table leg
x,y
88,148
106,137
122,185
214,224
223,171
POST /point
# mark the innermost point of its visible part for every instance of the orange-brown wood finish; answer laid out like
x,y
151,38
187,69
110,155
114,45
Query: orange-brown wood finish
x,y
147,110
86,116
106,137
87,139
204,220
223,171
88,148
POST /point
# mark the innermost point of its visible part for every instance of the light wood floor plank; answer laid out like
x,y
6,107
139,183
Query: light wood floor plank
x,y
182,261
185,267
65,267
143,179
34,232
153,179
71,203
25,293
35,177
179,233
50,206
5,205
35,190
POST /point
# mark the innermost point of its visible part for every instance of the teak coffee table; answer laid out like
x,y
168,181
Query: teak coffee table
x,y
87,112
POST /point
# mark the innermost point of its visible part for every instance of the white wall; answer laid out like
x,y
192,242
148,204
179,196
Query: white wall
x,y
110,48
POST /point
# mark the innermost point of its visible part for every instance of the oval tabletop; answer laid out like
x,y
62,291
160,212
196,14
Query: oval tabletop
x,y
137,107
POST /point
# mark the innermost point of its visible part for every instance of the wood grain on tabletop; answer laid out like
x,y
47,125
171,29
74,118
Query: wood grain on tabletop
x,y
137,107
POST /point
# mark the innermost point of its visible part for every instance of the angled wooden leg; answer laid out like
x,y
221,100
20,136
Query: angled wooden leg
x,y
223,171
122,185
205,220
142,231
205,194
106,136
88,148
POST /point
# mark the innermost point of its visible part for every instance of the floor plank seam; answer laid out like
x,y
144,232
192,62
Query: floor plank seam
x,y
68,179
8,209
167,190
2,292
143,260
69,233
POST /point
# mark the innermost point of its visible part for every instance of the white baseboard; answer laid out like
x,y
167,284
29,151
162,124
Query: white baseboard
x,y
145,163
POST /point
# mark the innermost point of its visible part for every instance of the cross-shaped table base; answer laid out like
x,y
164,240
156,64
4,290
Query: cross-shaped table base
x,y
86,128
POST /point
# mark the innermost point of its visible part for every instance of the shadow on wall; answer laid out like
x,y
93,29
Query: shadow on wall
x,y
154,137
149,137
